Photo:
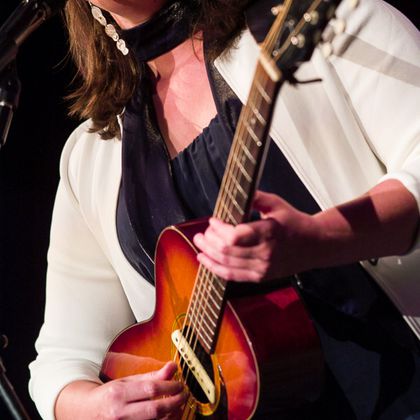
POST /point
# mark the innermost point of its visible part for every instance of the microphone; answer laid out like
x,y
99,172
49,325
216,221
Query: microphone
x,y
27,17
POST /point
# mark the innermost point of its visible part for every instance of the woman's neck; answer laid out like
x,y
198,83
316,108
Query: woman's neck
x,y
167,64
134,12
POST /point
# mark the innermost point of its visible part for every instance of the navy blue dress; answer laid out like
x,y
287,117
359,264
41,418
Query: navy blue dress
x,y
371,356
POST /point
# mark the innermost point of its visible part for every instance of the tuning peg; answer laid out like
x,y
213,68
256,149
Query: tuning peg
x,y
338,26
311,17
298,40
352,3
326,49
275,10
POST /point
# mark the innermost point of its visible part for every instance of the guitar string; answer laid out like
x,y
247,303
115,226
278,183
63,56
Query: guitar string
x,y
224,211
188,411
203,303
219,212
199,303
227,187
182,362
297,30
203,279
266,47
207,275
193,314
190,310
199,291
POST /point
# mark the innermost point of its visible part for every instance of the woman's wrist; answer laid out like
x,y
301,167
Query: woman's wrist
x,y
75,400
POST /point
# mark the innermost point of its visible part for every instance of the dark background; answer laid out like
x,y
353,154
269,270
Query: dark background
x,y
28,180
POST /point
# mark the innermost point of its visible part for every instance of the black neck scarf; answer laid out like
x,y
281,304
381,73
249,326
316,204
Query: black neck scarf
x,y
165,30
148,201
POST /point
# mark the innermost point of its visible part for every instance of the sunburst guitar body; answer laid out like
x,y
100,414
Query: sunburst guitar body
x,y
245,353
266,360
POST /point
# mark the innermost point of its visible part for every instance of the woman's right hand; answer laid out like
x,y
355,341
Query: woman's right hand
x,y
144,396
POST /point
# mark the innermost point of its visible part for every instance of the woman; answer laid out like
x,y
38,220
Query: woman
x,y
156,85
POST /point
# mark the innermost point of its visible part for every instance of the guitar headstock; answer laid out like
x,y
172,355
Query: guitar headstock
x,y
296,31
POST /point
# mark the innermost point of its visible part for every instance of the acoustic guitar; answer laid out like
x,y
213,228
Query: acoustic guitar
x,y
248,354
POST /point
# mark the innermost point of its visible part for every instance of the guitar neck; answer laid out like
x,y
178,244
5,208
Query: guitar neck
x,y
249,148
305,21
233,204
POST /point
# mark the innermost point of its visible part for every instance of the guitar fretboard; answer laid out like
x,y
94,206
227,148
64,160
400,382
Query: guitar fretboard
x,y
235,197
250,145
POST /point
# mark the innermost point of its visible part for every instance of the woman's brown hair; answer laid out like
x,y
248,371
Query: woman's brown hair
x,y
108,78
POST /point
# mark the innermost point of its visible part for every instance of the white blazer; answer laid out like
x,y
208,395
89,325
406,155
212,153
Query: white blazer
x,y
342,136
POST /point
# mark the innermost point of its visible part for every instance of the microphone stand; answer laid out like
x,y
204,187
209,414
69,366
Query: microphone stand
x,y
7,392
30,14
27,17
10,88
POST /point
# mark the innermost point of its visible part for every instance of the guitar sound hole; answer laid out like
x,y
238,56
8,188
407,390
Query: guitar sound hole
x,y
188,370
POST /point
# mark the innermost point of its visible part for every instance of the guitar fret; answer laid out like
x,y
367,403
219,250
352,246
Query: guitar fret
x,y
194,305
208,285
212,321
213,279
219,303
216,304
252,134
220,282
229,214
199,324
242,169
193,312
257,113
247,152
232,198
219,296
212,311
203,321
213,298
216,280
240,189
264,94
203,338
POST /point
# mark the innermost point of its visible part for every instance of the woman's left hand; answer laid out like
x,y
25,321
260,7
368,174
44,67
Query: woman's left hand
x,y
285,241
383,221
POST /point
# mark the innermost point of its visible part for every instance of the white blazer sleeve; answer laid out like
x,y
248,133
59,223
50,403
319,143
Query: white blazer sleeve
x,y
379,66
85,304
